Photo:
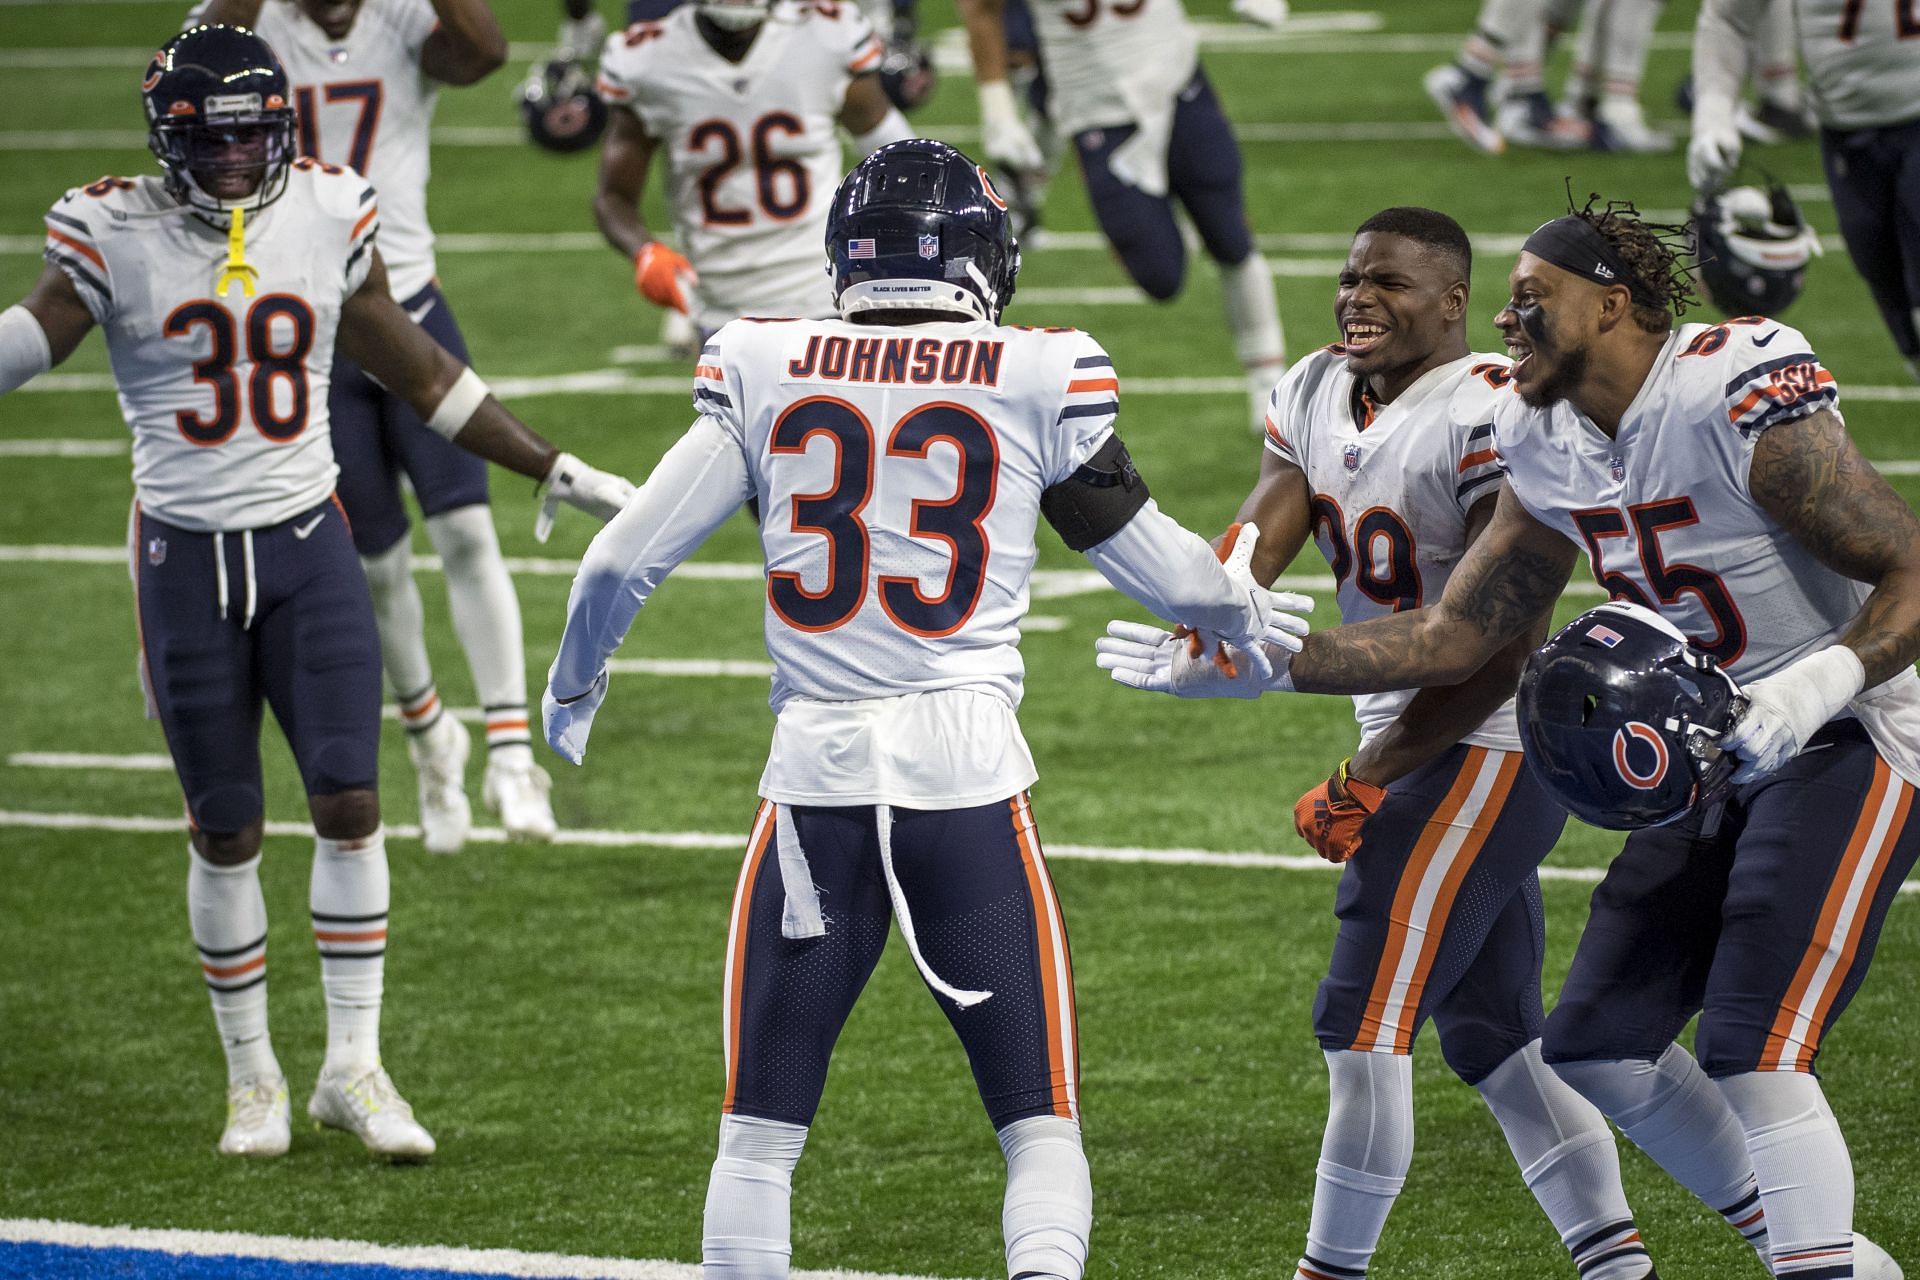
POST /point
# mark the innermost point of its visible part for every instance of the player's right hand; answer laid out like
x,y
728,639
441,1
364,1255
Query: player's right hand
x,y
567,722
1714,151
664,275
1330,816
1004,136
1270,618
600,494
1142,656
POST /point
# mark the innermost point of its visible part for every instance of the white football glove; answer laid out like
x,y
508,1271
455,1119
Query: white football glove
x,y
600,494
1004,136
1147,657
1274,624
581,38
1789,707
1713,153
568,723
1262,13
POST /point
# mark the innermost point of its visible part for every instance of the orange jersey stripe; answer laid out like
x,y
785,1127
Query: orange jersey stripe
x,y
1049,960
234,971
1079,385
79,245
361,225
713,371
870,58
363,935
737,942
1477,458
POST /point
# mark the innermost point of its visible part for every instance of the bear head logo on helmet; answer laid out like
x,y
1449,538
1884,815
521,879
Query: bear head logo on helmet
x,y
1752,248
1620,715
918,227
558,103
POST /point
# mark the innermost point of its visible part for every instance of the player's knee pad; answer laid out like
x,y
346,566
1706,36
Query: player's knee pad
x,y
1159,267
1476,1047
1047,1215
1583,1029
1369,1113
229,811
747,1229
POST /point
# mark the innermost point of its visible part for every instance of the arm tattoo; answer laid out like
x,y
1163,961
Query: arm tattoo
x,y
1809,476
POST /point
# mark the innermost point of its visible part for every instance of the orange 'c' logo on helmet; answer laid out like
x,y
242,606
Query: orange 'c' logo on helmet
x,y
986,185
155,71
1633,777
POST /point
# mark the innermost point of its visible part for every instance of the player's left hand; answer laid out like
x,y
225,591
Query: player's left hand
x,y
664,275
1262,13
1274,623
1330,816
600,494
1713,152
1788,707
1142,656
567,723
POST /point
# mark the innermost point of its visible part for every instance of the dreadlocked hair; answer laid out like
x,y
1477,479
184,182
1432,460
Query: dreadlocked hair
x,y
1656,253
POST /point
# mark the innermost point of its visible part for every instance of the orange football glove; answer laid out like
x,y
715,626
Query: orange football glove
x,y
1330,816
663,275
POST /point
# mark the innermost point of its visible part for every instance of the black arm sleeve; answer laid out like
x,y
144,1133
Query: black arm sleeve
x,y
1093,503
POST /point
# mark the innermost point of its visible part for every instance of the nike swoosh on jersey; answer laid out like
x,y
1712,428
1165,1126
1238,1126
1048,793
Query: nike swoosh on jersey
x,y
428,305
1761,342
301,531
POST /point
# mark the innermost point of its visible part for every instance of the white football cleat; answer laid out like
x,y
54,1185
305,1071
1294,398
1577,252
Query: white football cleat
x,y
1620,125
369,1107
1462,100
518,793
439,758
257,1118
1871,1262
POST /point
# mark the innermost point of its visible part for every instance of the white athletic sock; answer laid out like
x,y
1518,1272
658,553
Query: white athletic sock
x,y
1527,52
1048,1211
349,894
747,1233
1804,1173
1584,77
1671,1111
1253,316
403,634
1487,49
1628,40
1568,1160
229,920
1364,1156
486,617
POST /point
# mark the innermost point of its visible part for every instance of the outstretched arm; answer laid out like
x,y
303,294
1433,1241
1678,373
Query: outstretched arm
x,y
1510,576
42,329
1281,503
467,46
1004,137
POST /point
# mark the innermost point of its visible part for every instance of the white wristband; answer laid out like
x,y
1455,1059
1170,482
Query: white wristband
x,y
459,405
24,351
1835,674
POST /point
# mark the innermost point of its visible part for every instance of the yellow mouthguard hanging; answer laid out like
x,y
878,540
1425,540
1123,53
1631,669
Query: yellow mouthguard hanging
x,y
238,270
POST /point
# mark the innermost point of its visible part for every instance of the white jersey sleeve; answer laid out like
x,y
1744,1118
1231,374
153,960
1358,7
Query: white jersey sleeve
x,y
73,246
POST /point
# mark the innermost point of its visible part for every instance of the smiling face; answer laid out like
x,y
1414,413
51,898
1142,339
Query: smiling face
x,y
1399,308
230,162
1549,324
335,17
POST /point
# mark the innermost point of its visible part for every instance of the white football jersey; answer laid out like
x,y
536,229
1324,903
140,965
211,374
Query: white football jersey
x,y
1863,60
363,102
226,394
898,475
752,154
1113,62
1392,485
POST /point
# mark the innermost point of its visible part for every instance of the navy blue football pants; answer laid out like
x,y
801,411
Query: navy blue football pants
x,y
1765,928
986,917
377,436
1440,915
1874,175
296,632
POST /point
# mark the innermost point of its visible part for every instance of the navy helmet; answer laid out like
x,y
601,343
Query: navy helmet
x,y
917,226
218,103
561,110
1753,247
1620,715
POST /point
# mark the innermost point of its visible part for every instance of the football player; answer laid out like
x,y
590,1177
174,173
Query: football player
x,y
744,97
1509,40
1600,102
225,287
900,458
366,76
1378,447
1124,82
1706,472
1863,63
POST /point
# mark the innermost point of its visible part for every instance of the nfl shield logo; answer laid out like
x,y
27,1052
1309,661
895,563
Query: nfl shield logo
x,y
156,551
1617,468
929,247
1351,456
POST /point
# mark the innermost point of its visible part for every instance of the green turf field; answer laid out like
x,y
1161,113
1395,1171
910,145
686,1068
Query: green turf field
x,y
552,1012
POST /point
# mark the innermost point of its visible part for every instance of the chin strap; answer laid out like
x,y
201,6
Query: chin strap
x,y
237,270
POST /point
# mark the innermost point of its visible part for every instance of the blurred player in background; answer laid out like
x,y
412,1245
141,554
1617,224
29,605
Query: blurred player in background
x,y
1863,67
901,458
1379,448
744,96
1493,92
1124,82
223,288
1600,102
1708,475
367,75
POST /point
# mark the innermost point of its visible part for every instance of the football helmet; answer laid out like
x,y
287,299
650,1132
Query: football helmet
x,y
560,108
218,104
1753,247
917,226
906,72
1619,716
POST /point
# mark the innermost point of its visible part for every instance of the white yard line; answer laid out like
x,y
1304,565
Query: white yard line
x,y
690,667
137,762
1131,854
296,1249
63,448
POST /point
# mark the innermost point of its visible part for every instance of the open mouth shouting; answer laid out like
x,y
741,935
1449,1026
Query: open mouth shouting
x,y
1361,336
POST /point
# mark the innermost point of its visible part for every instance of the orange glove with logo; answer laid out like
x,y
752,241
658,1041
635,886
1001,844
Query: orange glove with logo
x,y
664,275
1330,816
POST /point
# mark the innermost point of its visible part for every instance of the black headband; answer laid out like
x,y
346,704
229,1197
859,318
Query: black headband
x,y
1574,244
